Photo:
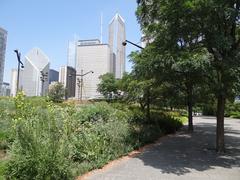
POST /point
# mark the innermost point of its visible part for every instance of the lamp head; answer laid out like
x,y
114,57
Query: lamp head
x,y
124,43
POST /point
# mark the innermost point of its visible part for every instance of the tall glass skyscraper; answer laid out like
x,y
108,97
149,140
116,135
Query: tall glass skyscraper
x,y
3,41
71,59
117,35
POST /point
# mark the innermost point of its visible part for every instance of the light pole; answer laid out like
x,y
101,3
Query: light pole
x,y
124,43
79,85
80,82
43,78
18,70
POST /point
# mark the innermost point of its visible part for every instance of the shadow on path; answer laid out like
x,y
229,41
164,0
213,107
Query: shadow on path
x,y
185,152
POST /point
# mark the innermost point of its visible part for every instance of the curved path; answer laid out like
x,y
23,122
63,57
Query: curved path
x,y
183,156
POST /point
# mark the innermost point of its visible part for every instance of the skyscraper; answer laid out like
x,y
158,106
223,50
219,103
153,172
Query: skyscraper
x,y
68,79
53,76
35,74
71,61
117,35
91,56
3,41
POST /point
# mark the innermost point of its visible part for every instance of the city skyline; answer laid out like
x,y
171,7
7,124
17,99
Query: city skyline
x,y
52,35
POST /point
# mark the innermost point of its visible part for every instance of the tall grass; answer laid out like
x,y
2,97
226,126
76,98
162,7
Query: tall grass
x,y
60,142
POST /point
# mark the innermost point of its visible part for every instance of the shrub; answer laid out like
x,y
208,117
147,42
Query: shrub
x,y
209,110
232,110
40,144
59,142
56,92
7,109
102,135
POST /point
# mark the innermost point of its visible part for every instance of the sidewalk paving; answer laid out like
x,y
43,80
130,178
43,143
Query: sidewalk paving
x,y
183,156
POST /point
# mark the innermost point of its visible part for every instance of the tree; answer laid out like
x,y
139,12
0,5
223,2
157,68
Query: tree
x,y
142,86
56,92
137,91
108,86
213,25
187,73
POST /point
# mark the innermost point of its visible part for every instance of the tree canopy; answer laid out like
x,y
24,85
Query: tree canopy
x,y
178,29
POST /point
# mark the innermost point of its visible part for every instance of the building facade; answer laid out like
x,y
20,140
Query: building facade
x,y
68,79
3,42
53,76
13,83
35,76
5,89
117,35
92,56
71,59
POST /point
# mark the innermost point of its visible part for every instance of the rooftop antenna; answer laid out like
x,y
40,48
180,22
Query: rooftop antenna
x,y
101,36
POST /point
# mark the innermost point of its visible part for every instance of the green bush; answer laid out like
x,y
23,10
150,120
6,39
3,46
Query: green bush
x,y
56,92
2,169
102,136
7,109
148,131
209,110
40,148
232,110
60,142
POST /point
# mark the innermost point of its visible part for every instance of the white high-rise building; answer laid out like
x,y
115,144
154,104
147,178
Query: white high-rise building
x,y
91,56
117,36
3,41
36,73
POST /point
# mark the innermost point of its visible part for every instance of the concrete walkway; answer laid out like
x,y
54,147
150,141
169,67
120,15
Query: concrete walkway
x,y
183,156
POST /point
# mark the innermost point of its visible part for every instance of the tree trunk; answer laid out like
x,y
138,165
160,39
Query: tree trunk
x,y
190,117
190,106
220,147
148,104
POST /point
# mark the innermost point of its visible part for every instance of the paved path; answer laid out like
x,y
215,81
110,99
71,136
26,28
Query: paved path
x,y
183,157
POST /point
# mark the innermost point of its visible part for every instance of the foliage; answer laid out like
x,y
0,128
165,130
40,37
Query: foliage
x,y
218,33
135,90
233,110
7,110
108,86
2,169
56,92
59,142
39,150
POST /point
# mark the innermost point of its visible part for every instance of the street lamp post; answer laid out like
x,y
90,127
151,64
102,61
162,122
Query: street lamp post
x,y
124,43
80,81
43,78
18,70
79,85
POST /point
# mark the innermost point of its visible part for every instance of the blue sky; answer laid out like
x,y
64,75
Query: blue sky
x,y
50,24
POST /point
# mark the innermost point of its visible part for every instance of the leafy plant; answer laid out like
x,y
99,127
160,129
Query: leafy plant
x,y
56,92
39,150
